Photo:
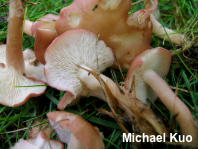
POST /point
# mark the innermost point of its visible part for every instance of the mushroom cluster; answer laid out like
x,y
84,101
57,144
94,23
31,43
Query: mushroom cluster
x,y
127,35
128,38
71,129
74,49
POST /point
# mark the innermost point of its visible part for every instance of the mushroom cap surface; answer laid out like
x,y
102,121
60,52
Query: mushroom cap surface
x,y
44,36
127,35
70,50
158,60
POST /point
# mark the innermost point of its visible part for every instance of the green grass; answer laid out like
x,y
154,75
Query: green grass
x,y
183,74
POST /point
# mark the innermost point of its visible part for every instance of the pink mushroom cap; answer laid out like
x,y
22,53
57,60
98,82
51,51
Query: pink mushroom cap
x,y
127,35
75,131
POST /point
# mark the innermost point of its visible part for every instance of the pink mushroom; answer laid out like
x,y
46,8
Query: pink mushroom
x,y
75,131
149,68
44,32
156,60
12,70
127,35
65,58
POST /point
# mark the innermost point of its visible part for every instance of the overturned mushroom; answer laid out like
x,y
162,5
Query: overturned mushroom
x,y
12,71
75,131
64,57
39,142
176,38
127,35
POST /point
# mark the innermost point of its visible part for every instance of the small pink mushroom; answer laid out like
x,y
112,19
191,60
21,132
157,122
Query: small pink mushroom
x,y
75,131
30,27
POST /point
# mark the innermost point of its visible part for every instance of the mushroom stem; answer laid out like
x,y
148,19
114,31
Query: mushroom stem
x,y
173,103
27,28
176,38
14,52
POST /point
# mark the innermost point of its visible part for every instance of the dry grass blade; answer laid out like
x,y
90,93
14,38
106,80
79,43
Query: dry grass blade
x,y
116,81
109,98
112,102
135,3
132,89
6,3
119,67
31,3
